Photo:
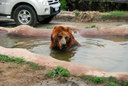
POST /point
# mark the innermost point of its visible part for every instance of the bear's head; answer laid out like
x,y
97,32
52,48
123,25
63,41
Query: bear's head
x,y
61,38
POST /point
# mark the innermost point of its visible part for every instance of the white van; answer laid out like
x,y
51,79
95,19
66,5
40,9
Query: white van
x,y
29,11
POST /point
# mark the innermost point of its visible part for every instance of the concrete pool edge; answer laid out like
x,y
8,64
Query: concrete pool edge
x,y
47,61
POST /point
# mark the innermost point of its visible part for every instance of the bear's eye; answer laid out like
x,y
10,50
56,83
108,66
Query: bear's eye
x,y
59,37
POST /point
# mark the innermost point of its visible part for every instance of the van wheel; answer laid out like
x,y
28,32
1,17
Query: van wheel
x,y
25,14
47,20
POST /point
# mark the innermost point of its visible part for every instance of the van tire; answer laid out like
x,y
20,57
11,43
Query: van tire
x,y
25,15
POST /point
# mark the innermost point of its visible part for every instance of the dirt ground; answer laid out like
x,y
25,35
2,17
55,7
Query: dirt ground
x,y
13,74
10,23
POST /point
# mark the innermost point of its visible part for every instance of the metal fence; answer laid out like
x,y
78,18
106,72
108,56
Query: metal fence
x,y
117,1
97,5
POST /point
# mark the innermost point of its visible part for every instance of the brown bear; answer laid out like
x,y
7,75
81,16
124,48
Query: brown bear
x,y
62,38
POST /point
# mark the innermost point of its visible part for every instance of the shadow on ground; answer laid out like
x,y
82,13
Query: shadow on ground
x,y
7,23
11,23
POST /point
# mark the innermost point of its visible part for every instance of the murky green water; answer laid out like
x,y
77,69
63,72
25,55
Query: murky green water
x,y
110,53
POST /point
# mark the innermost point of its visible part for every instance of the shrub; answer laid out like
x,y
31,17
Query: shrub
x,y
97,80
63,4
58,72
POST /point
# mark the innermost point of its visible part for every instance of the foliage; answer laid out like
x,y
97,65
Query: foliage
x,y
92,26
111,14
102,8
97,80
107,81
7,59
112,84
76,12
90,3
118,13
63,4
46,28
34,66
19,60
58,72
80,1
84,5
123,83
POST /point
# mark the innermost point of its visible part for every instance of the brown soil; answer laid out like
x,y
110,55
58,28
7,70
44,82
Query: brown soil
x,y
14,74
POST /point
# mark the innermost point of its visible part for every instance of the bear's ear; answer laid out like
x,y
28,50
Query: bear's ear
x,y
57,27
54,27
69,29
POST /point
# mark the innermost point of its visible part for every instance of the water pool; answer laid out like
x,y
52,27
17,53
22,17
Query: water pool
x,y
108,53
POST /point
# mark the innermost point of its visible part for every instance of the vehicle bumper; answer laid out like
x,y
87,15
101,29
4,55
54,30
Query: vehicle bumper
x,y
53,12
